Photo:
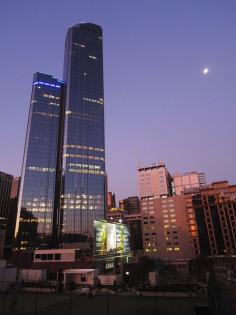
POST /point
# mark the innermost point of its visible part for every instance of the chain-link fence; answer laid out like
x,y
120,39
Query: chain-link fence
x,y
102,302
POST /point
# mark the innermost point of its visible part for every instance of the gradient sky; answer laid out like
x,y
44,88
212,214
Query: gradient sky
x,y
158,104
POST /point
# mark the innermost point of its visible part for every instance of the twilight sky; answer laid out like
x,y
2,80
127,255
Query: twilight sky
x,y
158,104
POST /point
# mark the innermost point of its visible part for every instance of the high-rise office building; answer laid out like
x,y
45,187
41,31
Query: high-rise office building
x,y
165,228
165,221
63,184
5,191
84,186
213,211
41,155
154,180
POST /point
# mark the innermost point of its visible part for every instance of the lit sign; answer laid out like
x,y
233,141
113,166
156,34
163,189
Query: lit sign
x,y
48,84
111,239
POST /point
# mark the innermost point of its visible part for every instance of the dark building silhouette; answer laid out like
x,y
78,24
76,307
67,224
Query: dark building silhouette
x,y
12,215
130,204
134,224
111,200
5,192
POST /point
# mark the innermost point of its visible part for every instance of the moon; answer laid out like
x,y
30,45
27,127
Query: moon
x,y
205,71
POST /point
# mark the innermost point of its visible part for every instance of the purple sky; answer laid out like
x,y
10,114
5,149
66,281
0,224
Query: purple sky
x,y
158,104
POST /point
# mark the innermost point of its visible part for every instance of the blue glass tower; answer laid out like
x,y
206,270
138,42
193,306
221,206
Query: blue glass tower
x,y
63,186
41,163
84,189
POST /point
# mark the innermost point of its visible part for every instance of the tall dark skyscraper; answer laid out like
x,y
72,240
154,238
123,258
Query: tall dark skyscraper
x,y
84,191
40,163
5,191
12,214
63,185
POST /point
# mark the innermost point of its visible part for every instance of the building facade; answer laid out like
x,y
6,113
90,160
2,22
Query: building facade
x,y
111,200
63,183
116,215
182,183
38,181
187,218
84,183
134,224
12,215
214,210
130,204
5,193
154,180
166,223
165,228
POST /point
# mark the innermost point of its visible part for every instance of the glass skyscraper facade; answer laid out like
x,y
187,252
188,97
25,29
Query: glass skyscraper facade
x,y
63,185
40,163
84,189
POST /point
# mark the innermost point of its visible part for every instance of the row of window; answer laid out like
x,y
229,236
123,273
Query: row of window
x,y
48,256
51,96
73,170
80,207
38,220
169,249
85,165
90,157
83,147
83,196
92,100
41,169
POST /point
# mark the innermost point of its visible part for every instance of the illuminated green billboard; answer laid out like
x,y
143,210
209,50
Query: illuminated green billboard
x,y
111,239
